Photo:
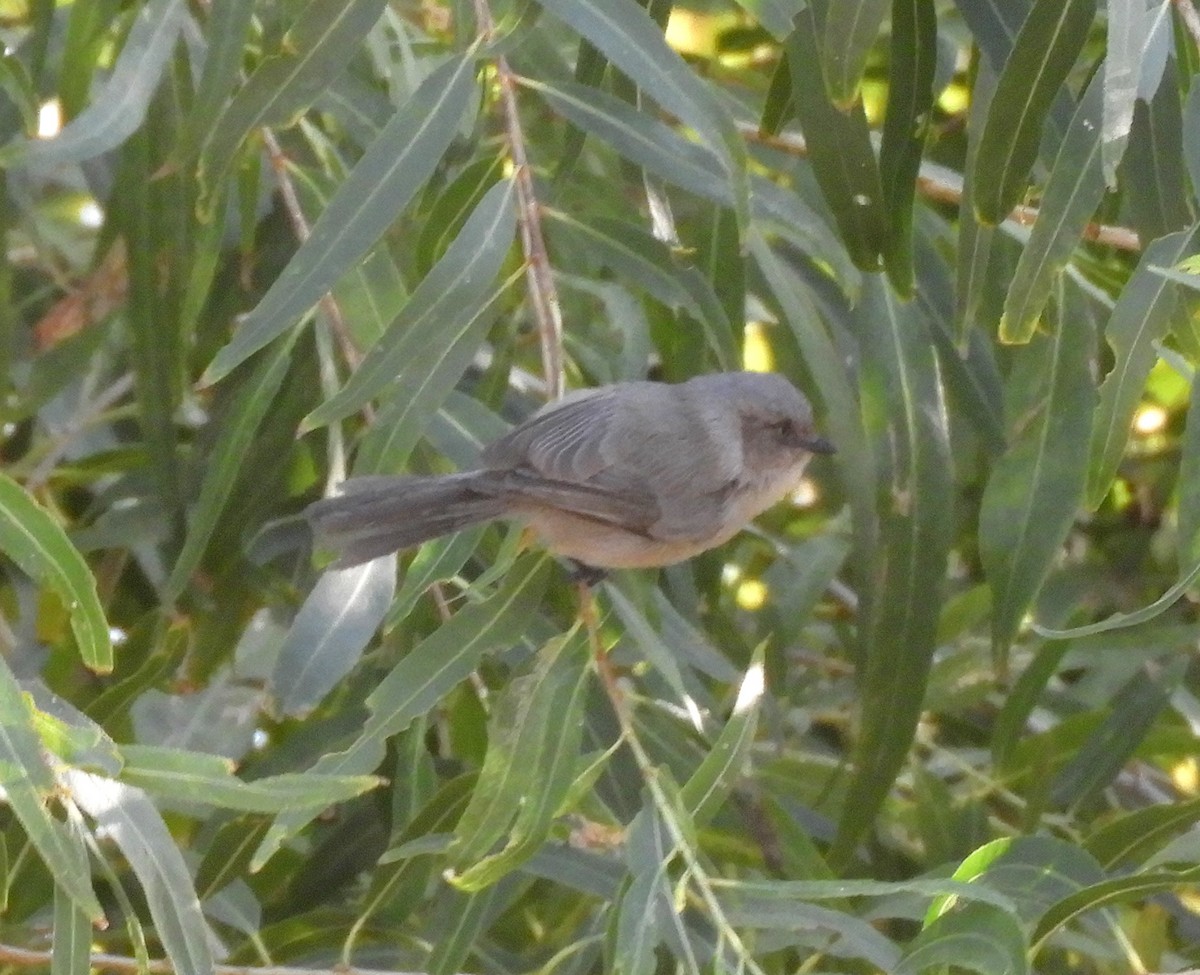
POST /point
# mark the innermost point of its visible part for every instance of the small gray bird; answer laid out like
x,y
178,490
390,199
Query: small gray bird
x,y
624,476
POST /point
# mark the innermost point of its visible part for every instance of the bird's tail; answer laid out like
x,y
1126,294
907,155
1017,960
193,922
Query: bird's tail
x,y
376,515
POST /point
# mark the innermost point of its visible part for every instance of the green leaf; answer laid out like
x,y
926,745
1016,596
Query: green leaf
x,y
850,34
718,775
533,747
1137,45
839,150
120,106
459,290
903,603
1131,838
225,462
130,820
1139,319
641,139
71,948
1044,53
431,670
906,125
1073,191
330,632
284,84
626,35
842,413
189,776
28,784
389,175
1133,712
975,936
1136,887
32,539
228,27
1034,490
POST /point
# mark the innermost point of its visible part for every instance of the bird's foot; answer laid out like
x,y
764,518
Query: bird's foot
x,y
587,575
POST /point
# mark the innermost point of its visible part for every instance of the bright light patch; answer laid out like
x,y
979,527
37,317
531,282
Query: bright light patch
x,y
751,594
806,494
731,572
751,690
1150,419
49,119
756,350
1186,776
117,636
91,215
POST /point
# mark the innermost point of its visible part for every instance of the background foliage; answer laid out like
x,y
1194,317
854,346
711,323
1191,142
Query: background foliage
x,y
268,244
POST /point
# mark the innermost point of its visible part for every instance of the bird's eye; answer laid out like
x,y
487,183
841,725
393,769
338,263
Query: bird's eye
x,y
782,428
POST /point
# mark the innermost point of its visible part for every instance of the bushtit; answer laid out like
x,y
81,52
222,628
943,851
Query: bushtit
x,y
624,476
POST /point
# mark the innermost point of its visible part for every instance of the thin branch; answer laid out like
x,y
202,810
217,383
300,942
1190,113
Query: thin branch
x,y
944,185
12,955
542,292
300,227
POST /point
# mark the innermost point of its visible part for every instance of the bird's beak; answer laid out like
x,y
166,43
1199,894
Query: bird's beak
x,y
818,445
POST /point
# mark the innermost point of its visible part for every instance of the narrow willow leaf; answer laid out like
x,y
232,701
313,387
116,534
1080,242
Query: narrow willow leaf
x,y
718,775
397,886
845,935
900,633
1132,713
130,820
974,266
34,540
1140,318
849,35
1188,485
635,255
842,412
225,461
1123,621
546,740
626,35
1034,490
906,125
995,27
1073,191
189,776
389,175
1135,887
228,25
975,936
1136,51
1157,198
330,632
120,105
1044,53
641,139
28,784
457,290
71,948
1131,838
458,919
431,670
285,83
839,150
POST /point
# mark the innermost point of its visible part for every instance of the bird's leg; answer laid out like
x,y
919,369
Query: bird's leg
x,y
587,575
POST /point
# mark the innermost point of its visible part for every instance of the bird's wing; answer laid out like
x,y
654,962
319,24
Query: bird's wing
x,y
562,441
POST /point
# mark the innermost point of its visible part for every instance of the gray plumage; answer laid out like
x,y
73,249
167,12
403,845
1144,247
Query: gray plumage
x,y
632,474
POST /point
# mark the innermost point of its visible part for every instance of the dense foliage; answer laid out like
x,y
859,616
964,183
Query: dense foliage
x,y
937,711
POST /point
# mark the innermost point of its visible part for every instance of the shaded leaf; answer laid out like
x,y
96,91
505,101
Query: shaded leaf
x,y
32,539
389,175
1034,490
1044,52
330,632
